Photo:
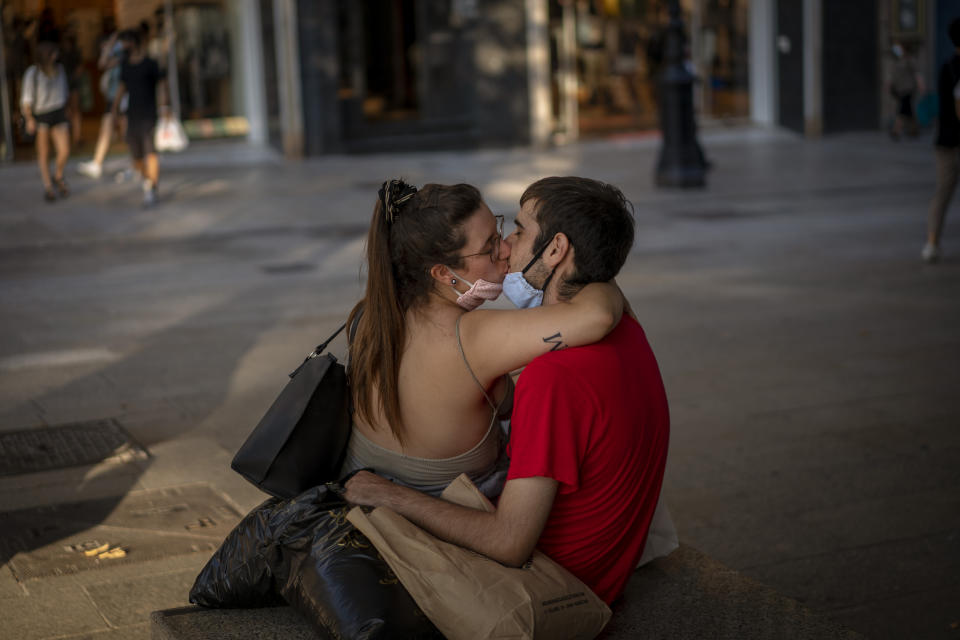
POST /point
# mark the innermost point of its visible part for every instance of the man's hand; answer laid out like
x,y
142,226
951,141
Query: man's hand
x,y
368,489
507,535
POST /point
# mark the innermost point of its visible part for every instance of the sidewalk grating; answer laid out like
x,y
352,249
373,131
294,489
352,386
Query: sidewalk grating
x,y
70,445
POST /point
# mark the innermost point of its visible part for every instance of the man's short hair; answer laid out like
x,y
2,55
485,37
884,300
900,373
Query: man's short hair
x,y
595,217
954,32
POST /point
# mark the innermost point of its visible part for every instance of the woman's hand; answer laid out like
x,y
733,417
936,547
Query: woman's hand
x,y
31,125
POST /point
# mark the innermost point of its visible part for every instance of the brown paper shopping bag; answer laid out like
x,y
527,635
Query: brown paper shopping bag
x,y
468,595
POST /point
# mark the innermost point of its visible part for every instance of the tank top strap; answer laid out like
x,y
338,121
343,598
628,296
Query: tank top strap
x,y
490,401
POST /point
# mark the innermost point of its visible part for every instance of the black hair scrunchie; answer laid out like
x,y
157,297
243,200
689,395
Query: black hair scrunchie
x,y
393,194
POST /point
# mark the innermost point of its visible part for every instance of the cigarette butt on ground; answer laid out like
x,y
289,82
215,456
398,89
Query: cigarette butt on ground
x,y
97,550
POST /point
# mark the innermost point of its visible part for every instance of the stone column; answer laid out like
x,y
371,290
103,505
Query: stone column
x,y
813,68
538,71
763,62
288,72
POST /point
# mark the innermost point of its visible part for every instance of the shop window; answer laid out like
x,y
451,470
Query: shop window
x,y
721,48
204,61
617,57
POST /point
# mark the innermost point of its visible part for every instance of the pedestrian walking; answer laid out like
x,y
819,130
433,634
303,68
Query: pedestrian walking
x,y
947,146
111,57
43,102
905,83
142,81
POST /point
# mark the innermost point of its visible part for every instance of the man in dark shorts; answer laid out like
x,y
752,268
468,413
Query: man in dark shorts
x,y
142,79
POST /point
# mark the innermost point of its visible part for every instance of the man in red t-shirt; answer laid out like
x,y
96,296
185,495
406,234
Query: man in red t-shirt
x,y
590,425
594,419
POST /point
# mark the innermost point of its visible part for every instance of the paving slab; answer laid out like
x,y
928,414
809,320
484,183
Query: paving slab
x,y
129,602
139,631
888,570
52,608
940,619
9,586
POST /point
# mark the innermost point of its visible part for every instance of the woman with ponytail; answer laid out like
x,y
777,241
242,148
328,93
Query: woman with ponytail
x,y
422,413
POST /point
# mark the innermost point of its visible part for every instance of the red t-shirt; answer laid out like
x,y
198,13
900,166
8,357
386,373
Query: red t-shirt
x,y
595,419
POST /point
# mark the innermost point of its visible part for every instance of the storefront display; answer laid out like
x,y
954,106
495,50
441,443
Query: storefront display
x,y
617,53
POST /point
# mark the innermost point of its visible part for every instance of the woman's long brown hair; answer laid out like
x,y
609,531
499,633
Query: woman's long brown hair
x,y
403,243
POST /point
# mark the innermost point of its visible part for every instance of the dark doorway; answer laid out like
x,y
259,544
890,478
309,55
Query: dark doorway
x,y
406,74
790,63
270,78
850,66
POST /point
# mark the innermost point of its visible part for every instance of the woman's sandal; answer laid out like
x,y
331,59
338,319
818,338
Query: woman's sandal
x,y
62,187
49,195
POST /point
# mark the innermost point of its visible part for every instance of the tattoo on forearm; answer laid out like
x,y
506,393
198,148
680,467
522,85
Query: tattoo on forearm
x,y
556,340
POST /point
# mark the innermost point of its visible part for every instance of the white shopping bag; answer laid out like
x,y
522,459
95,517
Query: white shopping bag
x,y
662,537
170,135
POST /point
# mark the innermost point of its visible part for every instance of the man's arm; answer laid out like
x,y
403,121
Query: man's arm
x,y
507,535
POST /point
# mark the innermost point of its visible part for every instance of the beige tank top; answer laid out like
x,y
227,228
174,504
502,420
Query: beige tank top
x,y
486,462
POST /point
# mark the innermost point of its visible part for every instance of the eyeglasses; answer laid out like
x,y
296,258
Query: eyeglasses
x,y
493,252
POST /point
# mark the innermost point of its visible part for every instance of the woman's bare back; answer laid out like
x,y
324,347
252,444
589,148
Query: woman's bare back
x,y
444,410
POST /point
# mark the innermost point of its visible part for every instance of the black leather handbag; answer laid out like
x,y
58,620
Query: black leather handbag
x,y
302,439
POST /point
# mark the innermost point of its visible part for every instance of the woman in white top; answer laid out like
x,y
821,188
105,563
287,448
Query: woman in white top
x,y
43,101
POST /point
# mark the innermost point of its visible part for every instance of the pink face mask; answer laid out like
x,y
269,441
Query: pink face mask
x,y
478,293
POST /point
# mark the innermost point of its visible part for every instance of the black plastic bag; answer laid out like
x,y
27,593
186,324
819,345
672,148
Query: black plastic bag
x,y
304,550
240,573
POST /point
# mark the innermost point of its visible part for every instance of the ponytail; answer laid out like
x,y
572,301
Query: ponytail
x,y
377,346
410,232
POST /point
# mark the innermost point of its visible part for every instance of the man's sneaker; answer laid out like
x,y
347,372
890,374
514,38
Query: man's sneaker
x,y
149,193
124,175
90,169
930,253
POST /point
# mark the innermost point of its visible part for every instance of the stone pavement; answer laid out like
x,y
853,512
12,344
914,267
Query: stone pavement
x,y
810,359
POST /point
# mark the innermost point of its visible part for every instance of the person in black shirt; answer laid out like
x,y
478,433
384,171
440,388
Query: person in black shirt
x,y
141,78
948,145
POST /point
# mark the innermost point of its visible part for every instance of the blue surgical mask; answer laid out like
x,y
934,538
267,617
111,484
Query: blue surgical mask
x,y
521,293
518,289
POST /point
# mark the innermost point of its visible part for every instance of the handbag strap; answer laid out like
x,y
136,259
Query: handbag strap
x,y
323,345
316,352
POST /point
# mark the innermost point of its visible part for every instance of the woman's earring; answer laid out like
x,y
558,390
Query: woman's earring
x,y
453,281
